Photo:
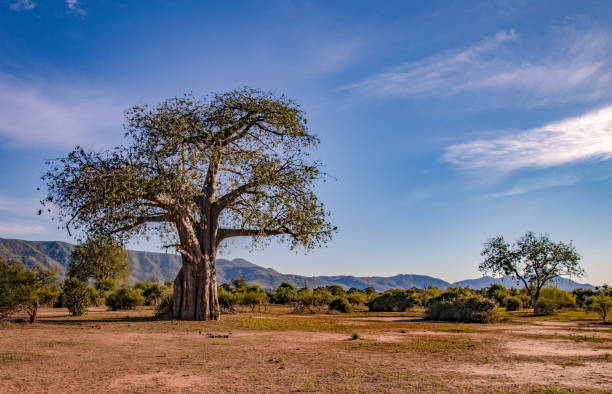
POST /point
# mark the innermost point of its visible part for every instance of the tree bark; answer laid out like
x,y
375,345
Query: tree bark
x,y
195,290
33,311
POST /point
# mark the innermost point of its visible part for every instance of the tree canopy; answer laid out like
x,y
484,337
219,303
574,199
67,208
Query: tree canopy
x,y
102,259
24,289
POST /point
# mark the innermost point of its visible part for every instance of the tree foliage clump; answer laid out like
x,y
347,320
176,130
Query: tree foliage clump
x,y
252,296
461,305
124,298
341,304
101,259
76,296
198,172
393,301
533,260
557,298
286,293
602,304
24,289
512,303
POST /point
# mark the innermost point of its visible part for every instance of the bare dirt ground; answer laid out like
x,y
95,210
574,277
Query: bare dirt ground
x,y
276,351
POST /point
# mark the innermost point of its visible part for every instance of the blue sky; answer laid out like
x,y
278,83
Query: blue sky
x,y
442,123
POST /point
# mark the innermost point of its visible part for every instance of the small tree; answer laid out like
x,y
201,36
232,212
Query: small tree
x,y
76,296
602,304
285,294
533,260
24,289
100,258
239,282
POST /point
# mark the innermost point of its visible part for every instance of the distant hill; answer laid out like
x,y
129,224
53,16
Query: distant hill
x,y
56,255
146,265
486,281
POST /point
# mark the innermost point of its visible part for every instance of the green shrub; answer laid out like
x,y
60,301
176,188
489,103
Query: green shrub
x,y
322,297
305,301
125,297
357,298
465,308
25,289
285,294
76,296
512,303
154,293
227,299
355,335
252,296
544,307
341,305
552,299
393,301
498,293
602,304
165,306
336,290
430,293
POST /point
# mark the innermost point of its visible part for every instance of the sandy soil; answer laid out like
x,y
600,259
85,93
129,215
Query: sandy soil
x,y
277,352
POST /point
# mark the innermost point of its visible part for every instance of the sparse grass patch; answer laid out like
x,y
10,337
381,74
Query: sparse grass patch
x,y
13,356
54,343
456,329
588,338
443,345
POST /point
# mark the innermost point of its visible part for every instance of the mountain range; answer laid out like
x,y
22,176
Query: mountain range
x,y
164,266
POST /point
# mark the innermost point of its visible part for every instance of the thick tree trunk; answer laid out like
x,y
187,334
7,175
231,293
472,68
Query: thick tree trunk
x,y
195,290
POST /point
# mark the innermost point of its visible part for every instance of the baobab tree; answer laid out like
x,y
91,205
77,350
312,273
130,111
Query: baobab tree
x,y
197,172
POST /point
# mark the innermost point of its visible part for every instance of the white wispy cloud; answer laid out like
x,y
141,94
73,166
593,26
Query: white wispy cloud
x,y
58,114
22,5
75,6
19,206
572,140
571,66
21,228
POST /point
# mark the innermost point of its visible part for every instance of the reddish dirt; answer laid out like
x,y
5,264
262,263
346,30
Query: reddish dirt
x,y
278,352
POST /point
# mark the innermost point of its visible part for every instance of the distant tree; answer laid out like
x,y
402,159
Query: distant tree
x,y
533,260
239,282
357,298
393,301
24,289
252,296
198,172
285,294
369,290
602,304
100,258
336,290
341,304
76,296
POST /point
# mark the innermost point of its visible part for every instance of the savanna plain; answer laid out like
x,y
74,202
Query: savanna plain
x,y
277,350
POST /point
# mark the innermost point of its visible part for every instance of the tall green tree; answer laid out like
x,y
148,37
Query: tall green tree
x,y
24,289
532,260
101,258
198,172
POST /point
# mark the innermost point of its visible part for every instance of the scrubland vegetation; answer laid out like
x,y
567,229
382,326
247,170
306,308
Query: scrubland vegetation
x,y
97,329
